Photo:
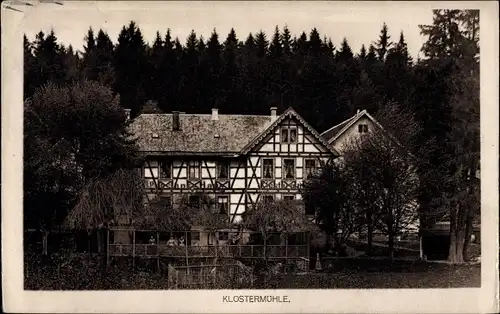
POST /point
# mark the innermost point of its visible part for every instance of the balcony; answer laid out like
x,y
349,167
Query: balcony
x,y
242,251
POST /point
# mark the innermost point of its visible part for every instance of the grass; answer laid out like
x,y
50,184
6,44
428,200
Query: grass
x,y
71,271
371,273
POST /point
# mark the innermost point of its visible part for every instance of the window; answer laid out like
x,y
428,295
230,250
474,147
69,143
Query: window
x,y
165,170
223,204
223,170
267,198
194,169
195,236
289,168
310,167
194,201
363,128
288,197
289,135
268,168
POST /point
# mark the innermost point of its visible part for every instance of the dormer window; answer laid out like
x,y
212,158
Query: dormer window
x,y
289,135
363,128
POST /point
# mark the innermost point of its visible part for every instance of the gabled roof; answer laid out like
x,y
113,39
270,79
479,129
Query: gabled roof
x,y
288,113
230,135
331,132
335,132
198,133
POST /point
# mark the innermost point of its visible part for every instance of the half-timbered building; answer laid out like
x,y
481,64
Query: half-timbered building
x,y
237,160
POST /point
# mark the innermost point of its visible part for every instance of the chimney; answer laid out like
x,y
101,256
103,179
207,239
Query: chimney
x,y
273,113
127,114
357,112
215,114
175,121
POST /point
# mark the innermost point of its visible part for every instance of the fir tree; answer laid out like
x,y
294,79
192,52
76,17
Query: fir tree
x,y
345,53
315,42
275,48
362,53
130,66
383,44
262,44
286,41
398,55
89,62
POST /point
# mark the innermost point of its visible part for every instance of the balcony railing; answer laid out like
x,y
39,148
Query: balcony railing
x,y
244,251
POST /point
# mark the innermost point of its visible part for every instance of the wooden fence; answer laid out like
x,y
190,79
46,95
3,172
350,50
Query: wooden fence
x,y
243,251
222,276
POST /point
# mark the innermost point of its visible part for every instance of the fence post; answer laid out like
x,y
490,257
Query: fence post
x,y
133,248
186,251
107,246
176,279
216,254
158,250
286,248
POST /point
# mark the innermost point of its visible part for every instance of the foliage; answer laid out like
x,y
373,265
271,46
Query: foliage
x,y
452,48
324,84
329,195
386,174
114,199
72,135
279,216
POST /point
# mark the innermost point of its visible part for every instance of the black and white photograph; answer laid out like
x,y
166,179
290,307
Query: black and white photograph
x,y
257,151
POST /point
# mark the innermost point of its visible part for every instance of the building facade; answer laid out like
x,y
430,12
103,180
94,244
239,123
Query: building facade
x,y
236,160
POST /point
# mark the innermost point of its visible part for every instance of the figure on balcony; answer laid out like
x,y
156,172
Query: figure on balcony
x,y
171,242
181,241
152,240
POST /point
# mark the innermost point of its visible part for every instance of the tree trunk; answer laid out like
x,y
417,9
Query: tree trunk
x,y
457,242
88,245
391,245
370,237
468,234
457,236
99,240
45,236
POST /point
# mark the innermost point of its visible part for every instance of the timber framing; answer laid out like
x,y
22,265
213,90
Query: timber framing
x,y
285,139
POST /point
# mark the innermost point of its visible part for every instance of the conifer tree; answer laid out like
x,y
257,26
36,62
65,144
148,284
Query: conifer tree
x,y
262,44
286,41
398,55
315,42
345,53
89,62
453,113
362,53
372,55
130,65
383,44
275,48
214,64
201,46
30,70
105,59
49,57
